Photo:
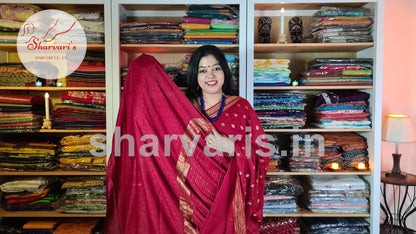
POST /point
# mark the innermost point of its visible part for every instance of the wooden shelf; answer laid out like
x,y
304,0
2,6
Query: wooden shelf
x,y
11,47
52,213
321,87
325,173
312,129
52,89
52,173
306,213
171,48
311,47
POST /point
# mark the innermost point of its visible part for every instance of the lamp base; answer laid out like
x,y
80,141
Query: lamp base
x,y
396,175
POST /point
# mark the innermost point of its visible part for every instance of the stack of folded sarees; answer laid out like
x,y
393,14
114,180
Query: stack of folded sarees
x,y
20,113
342,109
22,155
280,195
90,73
93,24
348,149
305,153
12,17
280,110
35,193
271,72
338,71
208,24
151,33
353,225
337,194
82,153
84,195
80,109
280,225
340,24
15,75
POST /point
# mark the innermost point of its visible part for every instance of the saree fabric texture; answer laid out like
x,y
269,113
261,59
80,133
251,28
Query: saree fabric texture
x,y
160,186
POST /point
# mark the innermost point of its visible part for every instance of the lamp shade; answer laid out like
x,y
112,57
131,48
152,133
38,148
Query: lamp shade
x,y
398,128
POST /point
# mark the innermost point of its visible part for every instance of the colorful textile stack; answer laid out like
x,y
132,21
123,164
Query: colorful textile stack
x,y
15,75
275,158
40,226
78,226
348,149
306,153
76,153
207,24
342,109
35,193
12,17
338,71
340,24
151,33
90,73
93,25
20,113
280,110
271,72
20,155
84,195
280,195
338,194
354,225
280,225
80,109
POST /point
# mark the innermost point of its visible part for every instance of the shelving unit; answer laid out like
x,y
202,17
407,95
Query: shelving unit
x,y
7,49
299,54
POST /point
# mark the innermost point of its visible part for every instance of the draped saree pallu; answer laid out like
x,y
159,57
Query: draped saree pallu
x,y
161,176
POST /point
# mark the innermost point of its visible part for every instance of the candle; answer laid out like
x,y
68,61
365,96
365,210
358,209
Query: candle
x,y
361,166
282,21
38,84
335,166
46,105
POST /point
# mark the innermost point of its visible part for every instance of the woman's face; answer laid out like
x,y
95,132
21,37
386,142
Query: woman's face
x,y
210,75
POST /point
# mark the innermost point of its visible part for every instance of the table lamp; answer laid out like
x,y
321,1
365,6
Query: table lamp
x,y
398,129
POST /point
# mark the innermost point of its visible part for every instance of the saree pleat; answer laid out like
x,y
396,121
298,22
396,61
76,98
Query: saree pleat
x,y
154,188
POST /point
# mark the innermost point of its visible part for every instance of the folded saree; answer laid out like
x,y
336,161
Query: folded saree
x,y
181,193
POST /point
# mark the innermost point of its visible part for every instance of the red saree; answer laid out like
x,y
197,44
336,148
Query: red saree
x,y
171,192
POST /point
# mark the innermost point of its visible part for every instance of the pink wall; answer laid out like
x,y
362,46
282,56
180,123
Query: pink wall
x,y
399,78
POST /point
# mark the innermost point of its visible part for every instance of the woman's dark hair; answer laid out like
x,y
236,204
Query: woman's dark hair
x,y
193,87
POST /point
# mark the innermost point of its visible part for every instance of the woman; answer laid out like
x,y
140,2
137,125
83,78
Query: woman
x,y
209,179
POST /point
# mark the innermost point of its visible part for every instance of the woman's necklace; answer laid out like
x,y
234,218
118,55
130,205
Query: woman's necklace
x,y
212,119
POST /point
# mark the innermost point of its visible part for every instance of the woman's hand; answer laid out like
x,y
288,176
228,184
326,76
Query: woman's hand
x,y
220,143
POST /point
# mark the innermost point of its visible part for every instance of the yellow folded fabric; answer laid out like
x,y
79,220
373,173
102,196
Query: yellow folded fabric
x,y
195,26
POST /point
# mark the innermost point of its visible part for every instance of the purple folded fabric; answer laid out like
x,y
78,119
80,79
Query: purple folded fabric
x,y
218,21
195,20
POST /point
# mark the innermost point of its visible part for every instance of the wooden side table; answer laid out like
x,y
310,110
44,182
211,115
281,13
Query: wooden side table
x,y
404,202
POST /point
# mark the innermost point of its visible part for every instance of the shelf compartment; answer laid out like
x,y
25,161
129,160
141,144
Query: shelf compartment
x,y
52,89
311,47
52,213
171,48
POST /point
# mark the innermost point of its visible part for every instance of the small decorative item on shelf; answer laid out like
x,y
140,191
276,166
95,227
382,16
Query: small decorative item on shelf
x,y
59,84
295,29
38,84
335,166
361,166
47,123
264,27
398,128
295,83
282,35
